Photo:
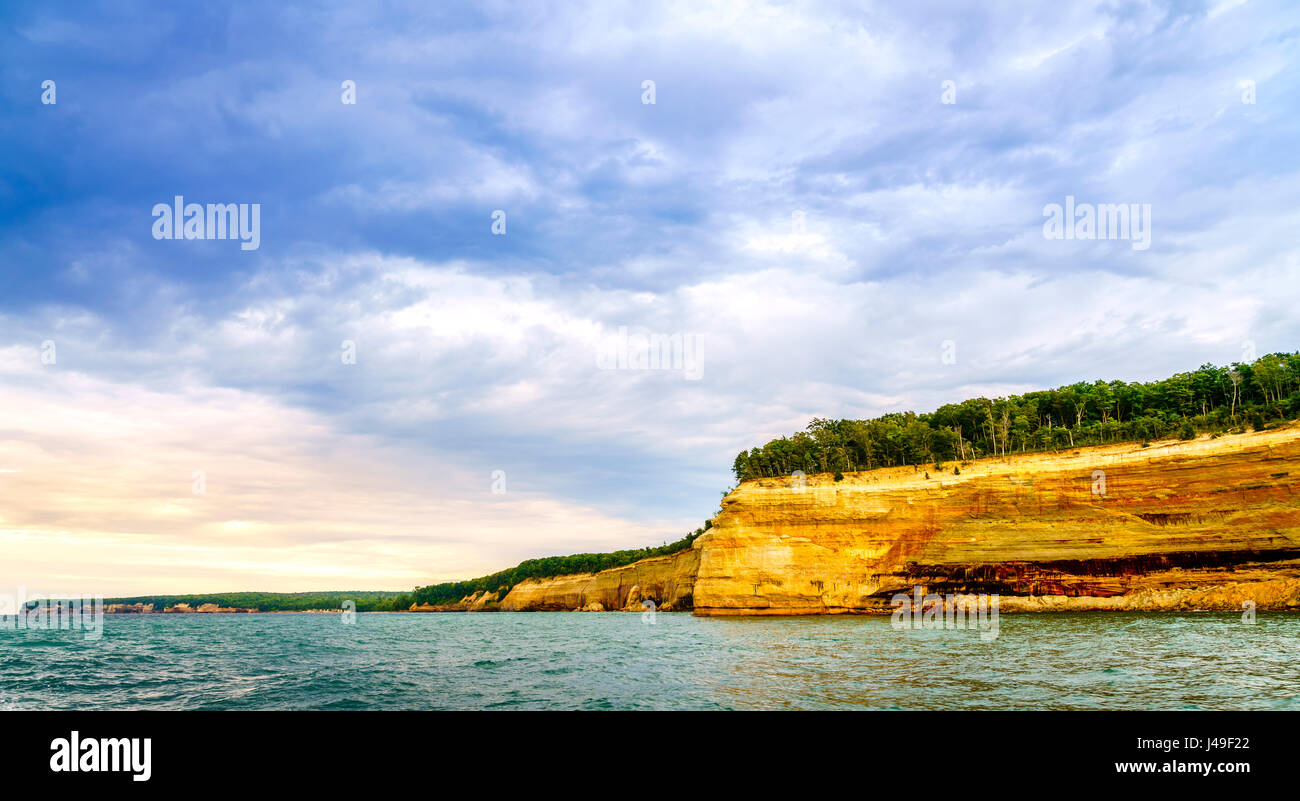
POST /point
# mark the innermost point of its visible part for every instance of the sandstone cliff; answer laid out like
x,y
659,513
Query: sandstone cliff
x,y
667,581
478,602
1205,524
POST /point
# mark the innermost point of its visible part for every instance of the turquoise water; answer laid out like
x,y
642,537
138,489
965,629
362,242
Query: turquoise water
x,y
615,661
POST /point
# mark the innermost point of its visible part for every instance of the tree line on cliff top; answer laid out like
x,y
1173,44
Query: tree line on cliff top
x,y
1208,400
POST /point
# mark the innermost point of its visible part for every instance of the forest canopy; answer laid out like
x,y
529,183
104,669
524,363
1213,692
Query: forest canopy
x,y
1208,400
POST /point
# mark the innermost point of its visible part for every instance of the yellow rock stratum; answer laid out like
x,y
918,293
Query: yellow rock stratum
x,y
667,581
1205,524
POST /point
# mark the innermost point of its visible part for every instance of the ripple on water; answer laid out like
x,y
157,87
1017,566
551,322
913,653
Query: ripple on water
x,y
614,661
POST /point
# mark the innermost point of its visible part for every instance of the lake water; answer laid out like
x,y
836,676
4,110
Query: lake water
x,y
617,661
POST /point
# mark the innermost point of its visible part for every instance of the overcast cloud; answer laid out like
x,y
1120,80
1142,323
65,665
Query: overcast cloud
x,y
799,201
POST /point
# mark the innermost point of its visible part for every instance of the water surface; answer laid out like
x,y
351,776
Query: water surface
x,y
575,660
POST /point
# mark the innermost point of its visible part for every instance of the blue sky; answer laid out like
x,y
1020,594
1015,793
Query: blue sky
x,y
798,198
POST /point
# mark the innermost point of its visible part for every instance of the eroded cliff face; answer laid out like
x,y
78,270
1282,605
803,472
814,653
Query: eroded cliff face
x,y
668,581
478,602
1206,524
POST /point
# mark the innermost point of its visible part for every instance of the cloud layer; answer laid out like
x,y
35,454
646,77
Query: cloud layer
x,y
799,199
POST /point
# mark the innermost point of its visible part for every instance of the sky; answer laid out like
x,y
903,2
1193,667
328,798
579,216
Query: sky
x,y
431,366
